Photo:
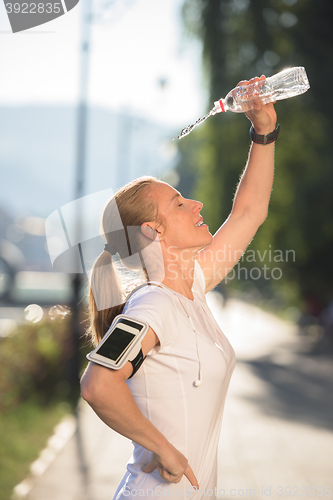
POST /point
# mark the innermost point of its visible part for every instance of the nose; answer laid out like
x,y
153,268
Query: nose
x,y
196,206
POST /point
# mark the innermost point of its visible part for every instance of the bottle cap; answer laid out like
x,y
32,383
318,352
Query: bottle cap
x,y
219,106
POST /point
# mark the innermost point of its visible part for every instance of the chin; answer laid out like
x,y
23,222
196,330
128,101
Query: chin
x,y
207,242
210,238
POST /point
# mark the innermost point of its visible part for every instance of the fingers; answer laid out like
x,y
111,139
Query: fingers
x,y
253,80
191,477
169,476
172,478
242,82
151,466
250,90
164,473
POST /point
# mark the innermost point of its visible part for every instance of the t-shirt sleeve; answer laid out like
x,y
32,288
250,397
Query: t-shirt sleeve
x,y
157,308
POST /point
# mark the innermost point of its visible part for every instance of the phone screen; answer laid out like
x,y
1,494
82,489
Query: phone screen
x,y
115,344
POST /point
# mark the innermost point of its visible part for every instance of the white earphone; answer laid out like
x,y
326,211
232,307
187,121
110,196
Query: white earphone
x,y
197,382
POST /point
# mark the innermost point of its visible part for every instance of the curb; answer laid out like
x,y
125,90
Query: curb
x,y
60,437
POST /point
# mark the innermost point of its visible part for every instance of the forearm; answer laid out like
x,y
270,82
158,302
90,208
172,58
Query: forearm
x,y
111,399
126,418
254,189
109,396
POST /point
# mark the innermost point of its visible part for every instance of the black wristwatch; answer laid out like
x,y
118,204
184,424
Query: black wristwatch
x,y
264,139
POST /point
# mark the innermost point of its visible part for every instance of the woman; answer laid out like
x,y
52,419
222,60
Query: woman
x,y
172,407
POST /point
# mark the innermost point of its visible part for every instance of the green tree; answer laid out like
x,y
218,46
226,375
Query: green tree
x,y
241,39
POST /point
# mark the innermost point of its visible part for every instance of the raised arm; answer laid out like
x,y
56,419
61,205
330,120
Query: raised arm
x,y
250,204
107,393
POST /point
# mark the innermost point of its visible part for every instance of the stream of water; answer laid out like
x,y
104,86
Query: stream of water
x,y
189,129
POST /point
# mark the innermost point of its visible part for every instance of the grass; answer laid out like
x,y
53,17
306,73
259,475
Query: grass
x,y
24,432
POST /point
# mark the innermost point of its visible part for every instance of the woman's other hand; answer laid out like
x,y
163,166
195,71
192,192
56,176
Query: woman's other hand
x,y
262,116
172,465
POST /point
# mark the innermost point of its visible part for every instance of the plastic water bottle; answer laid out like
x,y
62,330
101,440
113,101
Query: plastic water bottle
x,y
287,83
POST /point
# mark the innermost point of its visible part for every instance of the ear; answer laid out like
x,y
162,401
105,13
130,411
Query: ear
x,y
149,231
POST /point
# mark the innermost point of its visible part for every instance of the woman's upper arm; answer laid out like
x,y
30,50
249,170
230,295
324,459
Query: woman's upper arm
x,y
150,340
97,379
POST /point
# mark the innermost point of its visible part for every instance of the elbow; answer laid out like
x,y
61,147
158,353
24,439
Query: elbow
x,y
97,383
88,389
85,391
262,218
256,218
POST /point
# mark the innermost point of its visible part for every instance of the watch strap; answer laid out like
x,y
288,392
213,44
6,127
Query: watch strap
x,y
137,362
264,139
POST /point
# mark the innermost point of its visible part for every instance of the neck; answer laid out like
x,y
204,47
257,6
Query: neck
x,y
179,271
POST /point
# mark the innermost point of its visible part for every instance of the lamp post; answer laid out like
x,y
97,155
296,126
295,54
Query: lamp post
x,y
81,163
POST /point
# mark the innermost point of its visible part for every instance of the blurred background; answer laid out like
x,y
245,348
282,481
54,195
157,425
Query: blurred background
x,y
98,97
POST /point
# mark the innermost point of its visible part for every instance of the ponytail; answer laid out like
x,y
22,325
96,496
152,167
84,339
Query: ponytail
x,y
109,286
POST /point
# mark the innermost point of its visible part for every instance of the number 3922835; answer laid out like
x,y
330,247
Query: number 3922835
x,y
33,8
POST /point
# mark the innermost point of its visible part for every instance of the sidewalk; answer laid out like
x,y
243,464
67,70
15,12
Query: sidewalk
x,y
277,433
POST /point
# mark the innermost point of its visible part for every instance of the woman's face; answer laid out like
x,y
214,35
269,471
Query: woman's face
x,y
181,226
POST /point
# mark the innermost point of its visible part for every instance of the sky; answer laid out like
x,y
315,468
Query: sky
x,y
134,45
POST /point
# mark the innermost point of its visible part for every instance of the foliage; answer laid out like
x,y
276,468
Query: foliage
x,y
35,391
241,39
35,364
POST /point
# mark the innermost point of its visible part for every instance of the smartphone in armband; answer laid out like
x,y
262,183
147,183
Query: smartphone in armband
x,y
121,343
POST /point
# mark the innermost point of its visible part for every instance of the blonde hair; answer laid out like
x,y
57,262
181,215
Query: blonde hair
x,y
107,286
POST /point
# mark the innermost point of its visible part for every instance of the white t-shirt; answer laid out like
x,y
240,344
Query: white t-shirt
x,y
189,417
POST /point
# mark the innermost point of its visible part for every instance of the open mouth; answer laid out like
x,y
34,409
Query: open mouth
x,y
199,223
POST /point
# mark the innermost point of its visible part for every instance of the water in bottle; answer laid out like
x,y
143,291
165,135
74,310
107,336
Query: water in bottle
x,y
288,83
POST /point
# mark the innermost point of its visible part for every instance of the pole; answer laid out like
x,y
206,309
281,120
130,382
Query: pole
x,y
81,155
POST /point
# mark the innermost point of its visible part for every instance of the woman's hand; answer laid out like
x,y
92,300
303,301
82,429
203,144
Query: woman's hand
x,y
262,116
172,465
